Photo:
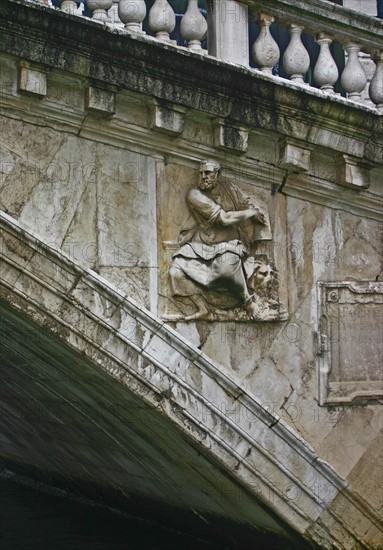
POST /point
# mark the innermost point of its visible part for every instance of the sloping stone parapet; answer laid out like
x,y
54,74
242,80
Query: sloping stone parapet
x,y
157,364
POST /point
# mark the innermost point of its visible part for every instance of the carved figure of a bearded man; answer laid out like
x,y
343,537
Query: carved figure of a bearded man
x,y
211,267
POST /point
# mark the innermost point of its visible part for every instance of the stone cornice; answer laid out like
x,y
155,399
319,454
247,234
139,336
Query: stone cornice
x,y
110,56
154,361
145,141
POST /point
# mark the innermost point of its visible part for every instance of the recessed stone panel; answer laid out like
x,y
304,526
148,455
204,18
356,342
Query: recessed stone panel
x,y
208,272
350,342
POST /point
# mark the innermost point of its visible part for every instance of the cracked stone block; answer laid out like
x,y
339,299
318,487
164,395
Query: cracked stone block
x,y
352,173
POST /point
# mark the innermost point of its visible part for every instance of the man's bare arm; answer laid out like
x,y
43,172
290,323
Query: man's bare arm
x,y
234,218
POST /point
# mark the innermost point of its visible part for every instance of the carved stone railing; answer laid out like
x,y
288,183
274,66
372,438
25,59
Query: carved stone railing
x,y
354,33
359,38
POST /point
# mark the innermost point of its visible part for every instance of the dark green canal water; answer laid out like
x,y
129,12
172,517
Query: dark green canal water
x,y
31,520
36,516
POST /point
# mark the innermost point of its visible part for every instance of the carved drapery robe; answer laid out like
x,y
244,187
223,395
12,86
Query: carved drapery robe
x,y
210,259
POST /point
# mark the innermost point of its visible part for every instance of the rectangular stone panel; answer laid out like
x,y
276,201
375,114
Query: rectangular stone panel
x,y
263,262
350,341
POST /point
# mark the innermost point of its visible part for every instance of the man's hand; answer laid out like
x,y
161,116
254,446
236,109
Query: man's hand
x,y
258,216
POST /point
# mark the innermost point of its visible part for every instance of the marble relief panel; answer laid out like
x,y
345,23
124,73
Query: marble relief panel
x,y
218,260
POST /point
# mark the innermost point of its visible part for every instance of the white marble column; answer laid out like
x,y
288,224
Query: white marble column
x,y
296,60
69,6
100,9
228,35
193,26
162,19
132,13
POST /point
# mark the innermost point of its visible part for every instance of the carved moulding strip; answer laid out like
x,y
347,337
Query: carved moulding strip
x,y
350,341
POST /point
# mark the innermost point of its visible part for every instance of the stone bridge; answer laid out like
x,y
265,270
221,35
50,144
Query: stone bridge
x,y
233,423
97,389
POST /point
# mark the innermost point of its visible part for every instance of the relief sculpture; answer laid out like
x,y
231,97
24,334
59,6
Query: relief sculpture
x,y
217,273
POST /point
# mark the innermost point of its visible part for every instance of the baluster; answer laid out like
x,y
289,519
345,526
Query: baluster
x,y
69,6
325,72
296,60
353,78
132,13
99,9
162,19
376,85
265,49
193,26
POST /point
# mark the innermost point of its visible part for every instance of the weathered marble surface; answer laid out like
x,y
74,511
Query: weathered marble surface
x,y
91,197
166,372
77,193
283,367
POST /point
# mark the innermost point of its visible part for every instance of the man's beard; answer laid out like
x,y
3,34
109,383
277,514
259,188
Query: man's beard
x,y
207,186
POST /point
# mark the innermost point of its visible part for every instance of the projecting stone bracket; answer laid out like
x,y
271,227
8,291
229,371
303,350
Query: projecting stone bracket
x,y
294,155
167,118
32,80
232,137
352,172
100,100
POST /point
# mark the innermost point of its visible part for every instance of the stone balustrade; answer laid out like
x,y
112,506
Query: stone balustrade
x,y
357,40
330,48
